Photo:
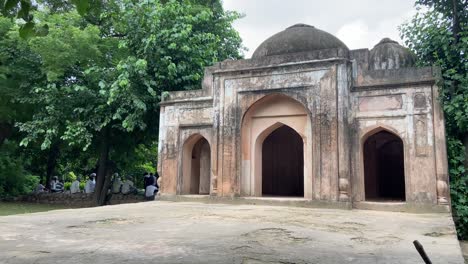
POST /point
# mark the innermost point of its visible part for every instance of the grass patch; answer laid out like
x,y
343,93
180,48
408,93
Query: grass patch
x,y
27,208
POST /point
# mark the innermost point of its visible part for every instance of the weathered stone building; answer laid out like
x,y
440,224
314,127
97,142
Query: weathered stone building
x,y
307,117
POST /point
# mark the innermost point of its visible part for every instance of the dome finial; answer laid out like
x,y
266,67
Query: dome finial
x,y
387,40
299,25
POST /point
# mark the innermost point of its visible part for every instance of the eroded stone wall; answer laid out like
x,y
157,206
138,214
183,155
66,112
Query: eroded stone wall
x,y
342,103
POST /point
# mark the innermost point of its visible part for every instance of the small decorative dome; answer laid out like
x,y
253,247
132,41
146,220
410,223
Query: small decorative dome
x,y
388,54
297,38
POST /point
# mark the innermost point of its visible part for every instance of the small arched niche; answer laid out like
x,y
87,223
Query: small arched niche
x,y
196,164
384,172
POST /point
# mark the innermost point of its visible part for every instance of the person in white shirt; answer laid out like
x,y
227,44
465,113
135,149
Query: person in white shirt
x,y
117,184
55,186
150,192
40,188
91,183
75,186
127,186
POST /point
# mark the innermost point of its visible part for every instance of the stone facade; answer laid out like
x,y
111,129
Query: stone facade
x,y
336,100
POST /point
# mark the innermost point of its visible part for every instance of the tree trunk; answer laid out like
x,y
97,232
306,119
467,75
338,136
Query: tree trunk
x,y
103,174
52,158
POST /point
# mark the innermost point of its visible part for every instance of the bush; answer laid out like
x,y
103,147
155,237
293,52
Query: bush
x,y
458,186
30,183
12,178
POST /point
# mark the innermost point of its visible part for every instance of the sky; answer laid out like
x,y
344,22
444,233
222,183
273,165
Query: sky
x,y
358,23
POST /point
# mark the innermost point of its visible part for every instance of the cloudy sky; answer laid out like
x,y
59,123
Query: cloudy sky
x,y
358,23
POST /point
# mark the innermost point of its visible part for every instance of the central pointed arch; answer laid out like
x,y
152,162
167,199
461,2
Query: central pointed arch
x,y
260,120
283,163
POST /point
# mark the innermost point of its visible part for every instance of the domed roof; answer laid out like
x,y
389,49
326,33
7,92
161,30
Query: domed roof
x,y
297,38
388,54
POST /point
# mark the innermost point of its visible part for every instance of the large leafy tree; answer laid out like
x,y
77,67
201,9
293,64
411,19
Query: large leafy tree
x,y
438,34
105,74
19,71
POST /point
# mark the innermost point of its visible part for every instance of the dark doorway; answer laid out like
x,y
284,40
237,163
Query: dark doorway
x,y
384,172
283,163
200,168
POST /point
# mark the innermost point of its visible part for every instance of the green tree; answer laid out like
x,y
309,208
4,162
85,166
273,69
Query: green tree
x,y
23,10
438,34
104,80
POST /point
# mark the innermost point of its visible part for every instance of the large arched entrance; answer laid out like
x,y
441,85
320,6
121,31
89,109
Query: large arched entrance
x,y
196,166
283,163
268,128
384,172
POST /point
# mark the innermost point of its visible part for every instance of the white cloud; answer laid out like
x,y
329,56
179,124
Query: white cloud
x,y
358,23
355,34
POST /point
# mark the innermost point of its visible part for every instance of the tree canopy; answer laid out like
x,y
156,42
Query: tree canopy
x,y
96,80
438,35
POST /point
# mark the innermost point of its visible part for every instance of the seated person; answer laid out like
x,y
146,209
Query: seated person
x,y
55,185
40,188
150,192
117,184
60,186
75,186
127,186
91,183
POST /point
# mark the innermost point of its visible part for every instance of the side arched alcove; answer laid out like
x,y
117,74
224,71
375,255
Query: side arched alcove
x,y
196,173
383,165
265,117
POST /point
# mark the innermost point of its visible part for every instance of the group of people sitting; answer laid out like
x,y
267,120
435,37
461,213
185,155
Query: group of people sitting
x,y
125,187
57,186
117,186
151,185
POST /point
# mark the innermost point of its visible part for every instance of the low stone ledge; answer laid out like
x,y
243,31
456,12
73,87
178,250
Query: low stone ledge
x,y
273,201
76,199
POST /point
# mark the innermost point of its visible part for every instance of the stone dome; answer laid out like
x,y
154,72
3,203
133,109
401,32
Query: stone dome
x,y
388,54
297,38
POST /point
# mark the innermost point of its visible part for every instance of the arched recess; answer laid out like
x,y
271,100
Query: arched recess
x,y
196,166
260,120
383,164
283,163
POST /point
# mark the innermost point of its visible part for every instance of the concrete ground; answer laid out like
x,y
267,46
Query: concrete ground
x,y
183,232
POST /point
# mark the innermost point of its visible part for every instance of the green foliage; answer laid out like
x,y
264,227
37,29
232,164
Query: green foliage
x,y
14,180
89,89
11,174
23,10
20,69
99,86
178,39
439,36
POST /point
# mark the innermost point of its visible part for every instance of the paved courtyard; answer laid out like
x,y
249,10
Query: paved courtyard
x,y
182,232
